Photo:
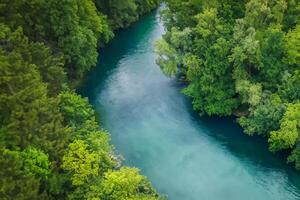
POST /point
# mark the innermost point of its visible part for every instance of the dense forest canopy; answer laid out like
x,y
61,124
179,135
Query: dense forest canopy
x,y
51,146
239,58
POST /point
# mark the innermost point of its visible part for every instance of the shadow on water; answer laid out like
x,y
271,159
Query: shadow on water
x,y
113,52
252,149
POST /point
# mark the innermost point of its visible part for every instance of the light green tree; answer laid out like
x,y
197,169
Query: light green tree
x,y
81,162
127,184
36,163
288,134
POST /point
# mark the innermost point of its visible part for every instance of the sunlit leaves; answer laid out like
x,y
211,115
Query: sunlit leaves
x,y
81,162
260,13
286,137
36,162
250,93
127,184
293,46
121,184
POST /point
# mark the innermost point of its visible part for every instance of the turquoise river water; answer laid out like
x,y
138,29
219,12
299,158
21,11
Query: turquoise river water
x,y
154,127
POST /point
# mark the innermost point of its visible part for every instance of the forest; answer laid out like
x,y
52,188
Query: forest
x,y
235,58
52,146
239,58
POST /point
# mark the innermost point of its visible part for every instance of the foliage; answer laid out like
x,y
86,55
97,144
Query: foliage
x,y
80,162
51,145
238,57
27,113
293,46
287,136
15,183
36,162
76,110
126,184
263,118
290,88
123,13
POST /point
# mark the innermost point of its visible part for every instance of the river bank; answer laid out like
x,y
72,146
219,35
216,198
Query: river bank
x,y
153,126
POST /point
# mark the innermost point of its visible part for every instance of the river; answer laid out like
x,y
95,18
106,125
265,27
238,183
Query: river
x,y
154,127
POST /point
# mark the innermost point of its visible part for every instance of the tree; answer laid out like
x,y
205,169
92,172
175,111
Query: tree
x,y
73,27
250,93
76,110
51,67
295,156
272,52
259,44
123,13
265,117
81,163
15,183
292,14
293,46
126,183
36,163
260,14
76,26
212,87
288,134
29,116
290,87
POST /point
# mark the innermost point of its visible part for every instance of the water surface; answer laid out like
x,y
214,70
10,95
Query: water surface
x,y
153,126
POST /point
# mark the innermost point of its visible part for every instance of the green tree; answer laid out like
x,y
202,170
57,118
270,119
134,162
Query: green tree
x,y
29,116
290,87
36,163
288,134
51,67
212,89
123,13
81,162
265,117
272,52
292,14
73,27
295,156
293,46
76,110
76,26
126,183
15,183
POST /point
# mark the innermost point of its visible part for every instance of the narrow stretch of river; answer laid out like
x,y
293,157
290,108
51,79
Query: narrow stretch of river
x,y
154,127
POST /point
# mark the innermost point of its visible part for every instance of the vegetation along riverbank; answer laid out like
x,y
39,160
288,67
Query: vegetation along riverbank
x,y
239,58
51,144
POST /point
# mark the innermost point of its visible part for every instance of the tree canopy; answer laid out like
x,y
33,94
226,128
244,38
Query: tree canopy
x,y
51,145
238,58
